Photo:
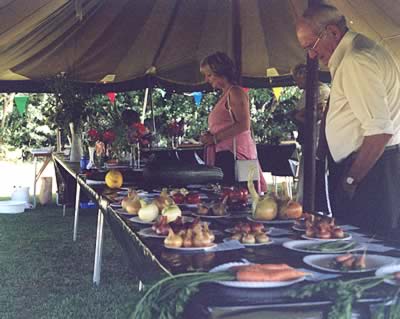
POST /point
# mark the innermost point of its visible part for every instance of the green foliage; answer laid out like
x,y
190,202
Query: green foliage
x,y
271,121
34,129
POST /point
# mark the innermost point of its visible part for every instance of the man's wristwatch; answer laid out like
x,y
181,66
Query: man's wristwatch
x,y
350,180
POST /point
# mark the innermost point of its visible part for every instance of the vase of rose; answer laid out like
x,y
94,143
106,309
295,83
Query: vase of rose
x,y
138,136
92,137
175,131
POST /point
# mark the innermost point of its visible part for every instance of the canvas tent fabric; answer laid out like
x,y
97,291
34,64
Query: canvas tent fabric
x,y
132,41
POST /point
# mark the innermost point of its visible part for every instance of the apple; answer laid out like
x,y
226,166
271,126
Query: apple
x,y
193,198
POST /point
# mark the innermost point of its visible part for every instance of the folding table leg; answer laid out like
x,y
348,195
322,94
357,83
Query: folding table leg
x,y
77,199
99,248
34,181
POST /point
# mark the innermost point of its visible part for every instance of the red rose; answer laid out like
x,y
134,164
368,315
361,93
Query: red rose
x,y
109,136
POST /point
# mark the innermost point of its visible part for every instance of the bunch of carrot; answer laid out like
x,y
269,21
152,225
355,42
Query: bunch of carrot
x,y
266,272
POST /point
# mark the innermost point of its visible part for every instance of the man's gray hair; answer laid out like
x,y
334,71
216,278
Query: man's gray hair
x,y
319,16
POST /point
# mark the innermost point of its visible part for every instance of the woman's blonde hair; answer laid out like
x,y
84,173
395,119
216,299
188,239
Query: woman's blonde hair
x,y
222,65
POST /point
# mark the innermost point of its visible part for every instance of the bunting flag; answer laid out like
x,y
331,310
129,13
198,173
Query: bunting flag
x,y
197,97
20,102
271,72
111,96
277,92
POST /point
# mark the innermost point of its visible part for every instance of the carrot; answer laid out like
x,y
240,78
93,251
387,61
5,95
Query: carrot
x,y
343,258
261,266
268,275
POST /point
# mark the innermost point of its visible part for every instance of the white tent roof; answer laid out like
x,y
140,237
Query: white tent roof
x,y
90,39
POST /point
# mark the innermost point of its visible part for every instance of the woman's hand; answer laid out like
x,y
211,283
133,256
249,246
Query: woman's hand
x,y
207,138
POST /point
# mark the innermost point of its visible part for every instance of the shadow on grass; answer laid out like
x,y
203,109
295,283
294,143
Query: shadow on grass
x,y
44,274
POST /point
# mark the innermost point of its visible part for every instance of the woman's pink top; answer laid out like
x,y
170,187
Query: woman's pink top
x,y
218,120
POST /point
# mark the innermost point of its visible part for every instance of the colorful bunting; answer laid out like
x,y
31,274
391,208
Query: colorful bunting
x,y
197,97
111,96
277,92
20,102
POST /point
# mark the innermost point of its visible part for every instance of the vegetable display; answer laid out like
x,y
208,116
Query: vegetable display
x,y
344,294
167,298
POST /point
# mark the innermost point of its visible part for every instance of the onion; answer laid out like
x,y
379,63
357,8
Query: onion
x,y
290,210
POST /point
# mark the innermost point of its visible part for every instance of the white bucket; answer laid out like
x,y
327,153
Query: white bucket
x,y
12,207
21,194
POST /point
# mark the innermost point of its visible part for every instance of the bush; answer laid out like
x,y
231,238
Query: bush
x,y
37,127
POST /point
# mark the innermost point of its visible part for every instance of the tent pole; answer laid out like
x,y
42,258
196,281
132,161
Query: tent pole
x,y
146,94
237,37
310,131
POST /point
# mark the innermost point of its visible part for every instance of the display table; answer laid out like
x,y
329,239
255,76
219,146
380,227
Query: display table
x,y
150,261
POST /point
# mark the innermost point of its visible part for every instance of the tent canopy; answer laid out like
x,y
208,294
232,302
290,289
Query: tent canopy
x,y
135,42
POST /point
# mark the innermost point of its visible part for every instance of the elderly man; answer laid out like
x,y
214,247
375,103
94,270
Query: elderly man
x,y
363,120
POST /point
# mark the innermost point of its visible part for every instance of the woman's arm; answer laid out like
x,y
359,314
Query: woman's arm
x,y
239,103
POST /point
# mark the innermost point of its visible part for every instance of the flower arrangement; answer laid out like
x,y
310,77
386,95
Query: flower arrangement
x,y
138,133
175,128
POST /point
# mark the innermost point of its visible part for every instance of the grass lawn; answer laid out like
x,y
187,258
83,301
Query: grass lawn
x,y
44,274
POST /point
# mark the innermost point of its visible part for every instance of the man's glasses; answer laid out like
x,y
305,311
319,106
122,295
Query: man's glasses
x,y
314,46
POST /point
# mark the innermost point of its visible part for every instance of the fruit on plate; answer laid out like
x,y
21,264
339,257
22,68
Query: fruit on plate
x,y
172,212
244,227
192,198
322,227
290,209
114,179
349,262
148,212
236,196
163,200
198,235
264,208
178,198
131,203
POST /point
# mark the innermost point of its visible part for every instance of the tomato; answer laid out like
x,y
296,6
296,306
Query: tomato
x,y
193,198
178,198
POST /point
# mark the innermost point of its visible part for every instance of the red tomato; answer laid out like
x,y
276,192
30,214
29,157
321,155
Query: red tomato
x,y
193,198
178,198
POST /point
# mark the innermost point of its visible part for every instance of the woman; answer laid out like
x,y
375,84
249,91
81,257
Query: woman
x,y
220,72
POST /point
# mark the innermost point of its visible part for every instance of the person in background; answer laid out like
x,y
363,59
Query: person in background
x,y
299,74
363,120
224,124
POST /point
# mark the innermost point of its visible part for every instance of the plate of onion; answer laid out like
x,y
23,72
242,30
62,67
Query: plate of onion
x,y
346,236
191,249
268,241
116,205
210,216
149,232
390,270
137,220
271,222
260,275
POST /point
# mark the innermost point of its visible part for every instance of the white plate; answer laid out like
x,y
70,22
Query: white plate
x,y
188,249
124,212
299,228
251,284
137,220
252,245
210,216
183,206
115,205
386,270
323,262
346,237
149,232
299,245
233,231
271,222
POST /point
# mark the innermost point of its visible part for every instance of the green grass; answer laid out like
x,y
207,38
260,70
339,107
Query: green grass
x,y
44,274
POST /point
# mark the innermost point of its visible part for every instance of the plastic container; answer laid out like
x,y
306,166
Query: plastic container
x,y
21,194
12,207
